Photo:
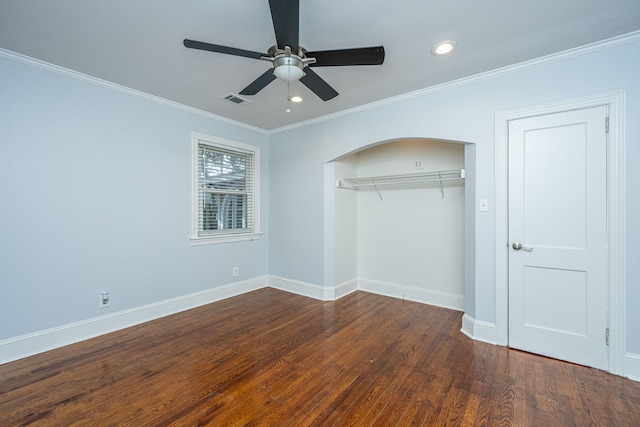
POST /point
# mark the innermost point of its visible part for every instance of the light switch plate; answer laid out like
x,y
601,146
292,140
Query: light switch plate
x,y
483,206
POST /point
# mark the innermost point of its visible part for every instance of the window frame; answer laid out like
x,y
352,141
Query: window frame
x,y
228,145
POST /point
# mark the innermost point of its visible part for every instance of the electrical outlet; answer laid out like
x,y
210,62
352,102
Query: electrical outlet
x,y
104,299
235,271
418,165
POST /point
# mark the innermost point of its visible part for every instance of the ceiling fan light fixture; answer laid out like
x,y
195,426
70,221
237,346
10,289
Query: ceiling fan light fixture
x,y
444,47
288,68
295,98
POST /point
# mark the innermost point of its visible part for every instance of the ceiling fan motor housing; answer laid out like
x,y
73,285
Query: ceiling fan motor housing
x,y
287,65
288,68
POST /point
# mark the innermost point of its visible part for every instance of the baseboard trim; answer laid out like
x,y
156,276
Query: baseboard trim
x,y
479,330
302,288
344,289
38,342
632,368
412,293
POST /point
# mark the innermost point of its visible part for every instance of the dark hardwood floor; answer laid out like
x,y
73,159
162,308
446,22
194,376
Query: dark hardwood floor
x,y
275,359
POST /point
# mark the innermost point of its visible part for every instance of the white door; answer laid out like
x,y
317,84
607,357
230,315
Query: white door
x,y
558,236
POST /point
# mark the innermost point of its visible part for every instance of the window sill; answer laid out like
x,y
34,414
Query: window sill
x,y
228,238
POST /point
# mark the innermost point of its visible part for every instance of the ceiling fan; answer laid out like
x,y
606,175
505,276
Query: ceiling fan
x,y
290,61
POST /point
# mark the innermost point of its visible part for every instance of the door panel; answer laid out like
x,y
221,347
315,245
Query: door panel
x,y
543,312
553,182
557,212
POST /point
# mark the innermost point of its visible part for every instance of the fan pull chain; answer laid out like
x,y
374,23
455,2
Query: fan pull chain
x,y
288,110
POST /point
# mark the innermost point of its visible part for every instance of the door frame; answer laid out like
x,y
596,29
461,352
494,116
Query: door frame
x,y
616,217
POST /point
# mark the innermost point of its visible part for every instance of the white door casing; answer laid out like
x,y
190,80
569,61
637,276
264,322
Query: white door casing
x,y
616,217
557,232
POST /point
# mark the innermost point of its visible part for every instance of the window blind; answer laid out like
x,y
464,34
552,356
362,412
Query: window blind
x,y
225,191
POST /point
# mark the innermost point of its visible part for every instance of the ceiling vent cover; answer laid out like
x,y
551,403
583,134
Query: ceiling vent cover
x,y
238,100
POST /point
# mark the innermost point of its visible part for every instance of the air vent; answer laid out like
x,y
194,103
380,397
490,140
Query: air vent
x,y
238,100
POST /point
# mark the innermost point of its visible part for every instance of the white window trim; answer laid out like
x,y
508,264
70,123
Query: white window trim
x,y
200,138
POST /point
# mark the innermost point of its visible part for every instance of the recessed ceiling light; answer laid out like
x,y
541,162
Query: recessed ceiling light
x,y
444,47
295,98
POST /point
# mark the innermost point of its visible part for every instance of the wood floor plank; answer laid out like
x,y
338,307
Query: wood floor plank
x,y
396,352
270,358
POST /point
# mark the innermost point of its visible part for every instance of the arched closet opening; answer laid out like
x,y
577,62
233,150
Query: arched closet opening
x,y
398,221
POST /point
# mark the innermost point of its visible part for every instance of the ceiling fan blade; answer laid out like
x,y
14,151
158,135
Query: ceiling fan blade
x,y
317,85
357,56
259,83
285,15
192,44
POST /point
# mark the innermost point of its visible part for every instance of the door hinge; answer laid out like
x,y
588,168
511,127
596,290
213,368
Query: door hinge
x,y
607,336
606,125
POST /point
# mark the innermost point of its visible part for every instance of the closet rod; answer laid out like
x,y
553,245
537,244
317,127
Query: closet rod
x,y
411,178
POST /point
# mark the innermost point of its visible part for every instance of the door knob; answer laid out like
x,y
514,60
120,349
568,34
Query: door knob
x,y
518,246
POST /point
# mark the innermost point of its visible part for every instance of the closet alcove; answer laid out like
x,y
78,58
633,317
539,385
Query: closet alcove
x,y
399,215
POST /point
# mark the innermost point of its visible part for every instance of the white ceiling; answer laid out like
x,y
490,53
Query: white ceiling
x,y
138,44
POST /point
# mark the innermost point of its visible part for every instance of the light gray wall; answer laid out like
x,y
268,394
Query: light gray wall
x,y
95,195
470,207
413,236
345,221
462,113
95,187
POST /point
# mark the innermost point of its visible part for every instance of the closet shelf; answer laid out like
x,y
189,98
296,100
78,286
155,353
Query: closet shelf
x,y
410,178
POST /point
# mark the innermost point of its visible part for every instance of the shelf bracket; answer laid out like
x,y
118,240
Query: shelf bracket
x,y
379,195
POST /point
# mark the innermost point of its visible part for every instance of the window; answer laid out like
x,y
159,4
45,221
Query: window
x,y
225,190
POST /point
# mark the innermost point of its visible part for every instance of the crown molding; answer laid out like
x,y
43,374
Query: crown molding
x,y
14,56
570,53
554,57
